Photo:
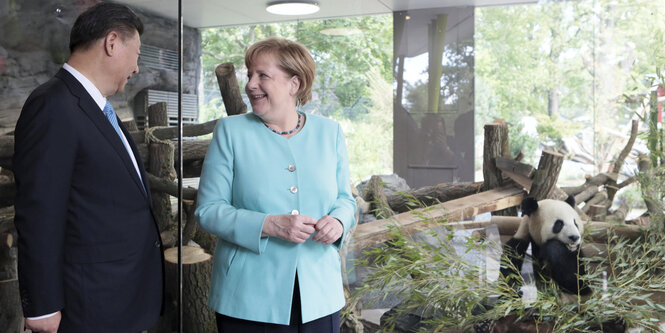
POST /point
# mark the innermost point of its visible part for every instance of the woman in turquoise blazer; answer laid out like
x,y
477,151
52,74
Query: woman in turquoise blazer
x,y
275,190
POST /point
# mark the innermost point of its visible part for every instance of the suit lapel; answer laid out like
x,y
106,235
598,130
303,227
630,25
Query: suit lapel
x,y
92,110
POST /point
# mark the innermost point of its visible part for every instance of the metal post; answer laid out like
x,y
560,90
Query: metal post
x,y
180,166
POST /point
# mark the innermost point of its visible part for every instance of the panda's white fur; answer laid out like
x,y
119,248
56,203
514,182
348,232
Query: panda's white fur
x,y
542,222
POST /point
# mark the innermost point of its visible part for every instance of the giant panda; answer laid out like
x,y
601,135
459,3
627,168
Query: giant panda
x,y
554,230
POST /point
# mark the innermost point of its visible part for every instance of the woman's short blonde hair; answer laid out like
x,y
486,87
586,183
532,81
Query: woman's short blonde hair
x,y
292,57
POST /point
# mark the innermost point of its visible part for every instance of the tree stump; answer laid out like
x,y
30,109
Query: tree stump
x,y
546,176
228,87
196,270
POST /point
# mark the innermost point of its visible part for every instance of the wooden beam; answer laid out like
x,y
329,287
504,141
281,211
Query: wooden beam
x,y
376,232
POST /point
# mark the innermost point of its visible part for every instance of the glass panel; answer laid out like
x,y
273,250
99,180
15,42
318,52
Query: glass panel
x,y
433,113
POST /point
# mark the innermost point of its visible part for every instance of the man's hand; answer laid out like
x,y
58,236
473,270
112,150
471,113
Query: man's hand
x,y
329,230
46,325
293,228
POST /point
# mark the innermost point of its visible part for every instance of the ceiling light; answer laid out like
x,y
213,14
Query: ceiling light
x,y
295,7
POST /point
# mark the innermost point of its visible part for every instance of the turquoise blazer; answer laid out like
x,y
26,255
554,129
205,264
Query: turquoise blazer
x,y
250,172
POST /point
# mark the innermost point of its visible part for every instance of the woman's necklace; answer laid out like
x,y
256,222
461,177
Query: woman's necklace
x,y
287,132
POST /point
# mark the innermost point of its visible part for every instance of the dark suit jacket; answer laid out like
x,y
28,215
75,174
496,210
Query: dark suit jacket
x,y
88,242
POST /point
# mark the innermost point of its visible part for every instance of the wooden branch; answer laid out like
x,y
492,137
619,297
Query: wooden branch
x,y
619,215
522,169
162,185
228,86
431,195
172,132
586,194
546,176
618,163
192,150
376,232
597,180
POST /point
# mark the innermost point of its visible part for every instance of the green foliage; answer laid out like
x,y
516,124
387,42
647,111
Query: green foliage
x,y
573,59
439,285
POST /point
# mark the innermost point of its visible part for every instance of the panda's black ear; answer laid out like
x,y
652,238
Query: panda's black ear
x,y
529,205
571,201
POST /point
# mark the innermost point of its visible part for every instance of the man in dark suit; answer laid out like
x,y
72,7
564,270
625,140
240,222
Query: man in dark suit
x,y
89,251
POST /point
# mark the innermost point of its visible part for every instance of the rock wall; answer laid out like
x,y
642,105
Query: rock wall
x,y
34,39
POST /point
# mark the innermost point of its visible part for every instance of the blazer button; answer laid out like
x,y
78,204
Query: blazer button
x,y
157,244
294,189
292,168
295,212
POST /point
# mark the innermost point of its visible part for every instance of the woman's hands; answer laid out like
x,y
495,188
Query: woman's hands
x,y
298,228
329,230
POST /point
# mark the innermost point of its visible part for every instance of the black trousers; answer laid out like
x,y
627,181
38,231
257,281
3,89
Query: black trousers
x,y
327,324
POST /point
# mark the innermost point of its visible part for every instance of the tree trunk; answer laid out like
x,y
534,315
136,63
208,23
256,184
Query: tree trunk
x,y
196,270
228,86
496,146
546,176
161,164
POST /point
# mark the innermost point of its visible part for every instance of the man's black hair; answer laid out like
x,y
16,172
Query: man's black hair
x,y
99,20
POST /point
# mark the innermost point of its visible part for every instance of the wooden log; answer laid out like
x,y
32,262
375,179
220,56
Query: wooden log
x,y
196,270
373,193
131,126
492,149
162,185
597,180
191,223
167,133
157,115
192,150
597,199
598,230
496,145
161,164
376,232
586,194
430,195
597,212
546,176
619,215
228,86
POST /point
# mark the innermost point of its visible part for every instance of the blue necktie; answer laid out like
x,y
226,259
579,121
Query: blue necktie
x,y
110,114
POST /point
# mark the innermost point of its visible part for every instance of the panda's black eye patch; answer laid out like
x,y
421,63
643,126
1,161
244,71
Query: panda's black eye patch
x,y
576,226
558,225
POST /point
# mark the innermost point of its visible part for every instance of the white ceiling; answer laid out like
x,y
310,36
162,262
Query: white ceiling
x,y
215,13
